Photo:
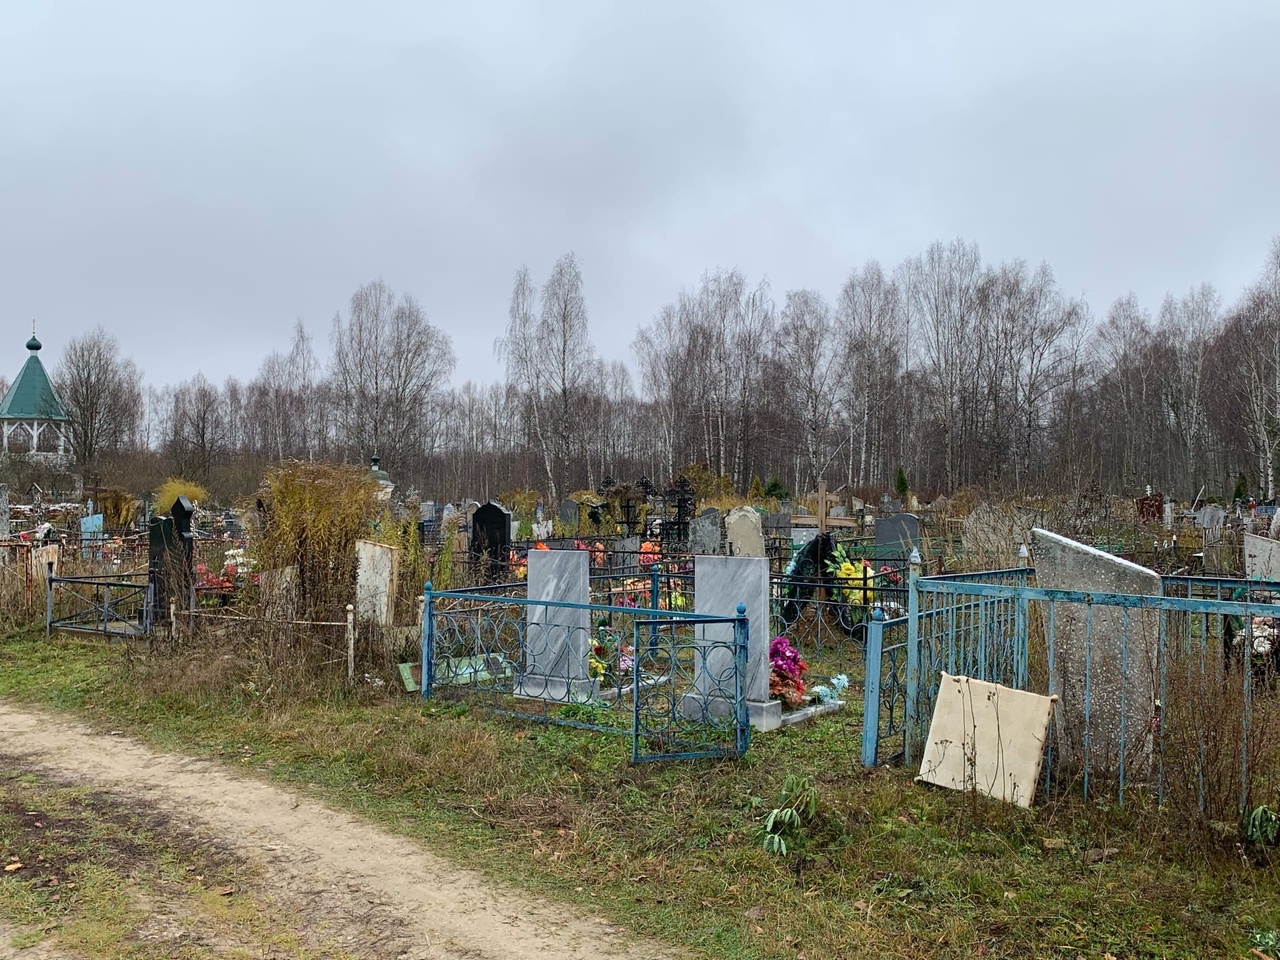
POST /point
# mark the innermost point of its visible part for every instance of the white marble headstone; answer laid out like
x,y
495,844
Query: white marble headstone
x,y
1120,682
377,570
557,638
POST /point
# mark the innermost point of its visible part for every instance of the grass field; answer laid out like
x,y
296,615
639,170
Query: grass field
x,y
884,867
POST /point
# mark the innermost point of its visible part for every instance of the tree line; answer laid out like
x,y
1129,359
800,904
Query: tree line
x,y
956,371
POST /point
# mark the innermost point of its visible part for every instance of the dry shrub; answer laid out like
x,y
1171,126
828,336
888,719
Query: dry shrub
x,y
176,487
314,513
1221,743
17,609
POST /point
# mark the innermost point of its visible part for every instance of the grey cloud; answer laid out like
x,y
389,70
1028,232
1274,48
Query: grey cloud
x,y
217,172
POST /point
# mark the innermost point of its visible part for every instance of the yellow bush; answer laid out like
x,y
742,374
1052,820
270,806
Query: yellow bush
x,y
176,487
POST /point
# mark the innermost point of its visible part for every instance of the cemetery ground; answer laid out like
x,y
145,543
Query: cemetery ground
x,y
171,855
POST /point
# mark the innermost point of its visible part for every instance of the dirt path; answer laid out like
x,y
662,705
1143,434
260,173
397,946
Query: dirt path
x,y
379,895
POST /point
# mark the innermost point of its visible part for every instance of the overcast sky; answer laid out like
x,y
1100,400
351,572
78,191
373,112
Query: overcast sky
x,y
196,176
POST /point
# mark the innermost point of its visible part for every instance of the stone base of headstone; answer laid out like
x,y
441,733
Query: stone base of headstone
x,y
532,686
761,714
811,712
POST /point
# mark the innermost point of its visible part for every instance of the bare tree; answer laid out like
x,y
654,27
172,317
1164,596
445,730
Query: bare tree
x,y
550,360
388,375
102,394
199,433
807,360
869,318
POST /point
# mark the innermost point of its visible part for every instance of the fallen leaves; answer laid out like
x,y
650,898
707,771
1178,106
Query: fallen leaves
x,y
11,867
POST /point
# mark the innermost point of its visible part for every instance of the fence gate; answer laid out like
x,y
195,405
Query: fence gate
x,y
688,688
118,606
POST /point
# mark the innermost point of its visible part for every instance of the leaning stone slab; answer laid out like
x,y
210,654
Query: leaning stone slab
x,y
1113,655
1261,557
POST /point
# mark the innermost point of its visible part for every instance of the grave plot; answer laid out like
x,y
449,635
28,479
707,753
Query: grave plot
x,y
1162,687
671,680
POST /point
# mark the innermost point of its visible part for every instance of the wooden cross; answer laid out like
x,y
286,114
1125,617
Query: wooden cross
x,y
823,520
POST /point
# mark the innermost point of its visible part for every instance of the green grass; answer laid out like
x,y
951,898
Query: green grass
x,y
884,868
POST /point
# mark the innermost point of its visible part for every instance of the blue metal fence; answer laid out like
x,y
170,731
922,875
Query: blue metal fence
x,y
672,680
1173,695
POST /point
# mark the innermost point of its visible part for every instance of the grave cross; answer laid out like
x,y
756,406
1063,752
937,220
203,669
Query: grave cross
x,y
823,519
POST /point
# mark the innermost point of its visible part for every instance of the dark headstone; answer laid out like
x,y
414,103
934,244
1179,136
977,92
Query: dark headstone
x,y
569,513
777,524
490,540
896,537
171,555
1150,508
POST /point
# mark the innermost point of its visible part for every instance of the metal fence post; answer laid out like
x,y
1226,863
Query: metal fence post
x,y
655,591
871,689
741,644
48,600
351,643
428,640
911,714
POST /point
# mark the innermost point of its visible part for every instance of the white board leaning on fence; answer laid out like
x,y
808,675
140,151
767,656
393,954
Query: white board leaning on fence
x,y
988,738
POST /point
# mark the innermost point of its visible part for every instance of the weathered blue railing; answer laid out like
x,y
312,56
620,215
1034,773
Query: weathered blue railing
x,y
670,679
1169,693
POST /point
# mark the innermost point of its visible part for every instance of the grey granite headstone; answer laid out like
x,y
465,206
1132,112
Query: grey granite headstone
x,y
777,524
896,536
744,532
569,513
704,533
1210,518
557,638
1261,558
719,585
626,556
1122,684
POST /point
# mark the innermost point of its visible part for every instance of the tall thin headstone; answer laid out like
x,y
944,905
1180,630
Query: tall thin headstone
x,y
719,585
557,638
377,573
4,511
